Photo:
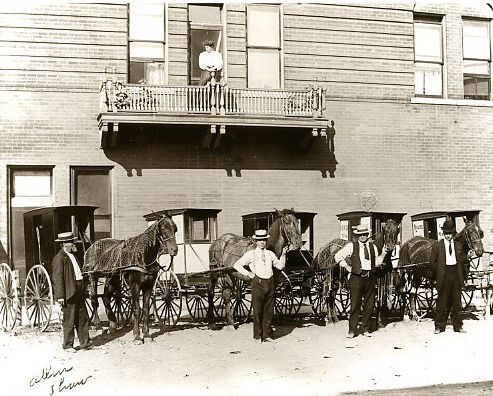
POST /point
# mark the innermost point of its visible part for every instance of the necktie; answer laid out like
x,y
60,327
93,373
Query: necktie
x,y
367,253
450,248
263,255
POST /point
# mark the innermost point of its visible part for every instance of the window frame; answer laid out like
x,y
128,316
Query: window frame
x,y
487,61
146,60
279,48
211,227
73,190
433,20
218,27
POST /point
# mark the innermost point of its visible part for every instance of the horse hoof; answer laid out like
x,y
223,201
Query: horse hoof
x,y
138,341
149,339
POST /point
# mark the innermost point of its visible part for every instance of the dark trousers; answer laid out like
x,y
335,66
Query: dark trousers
x,y
362,292
75,317
449,299
263,306
206,76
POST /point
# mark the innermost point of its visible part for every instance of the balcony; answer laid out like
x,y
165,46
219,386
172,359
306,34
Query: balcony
x,y
215,105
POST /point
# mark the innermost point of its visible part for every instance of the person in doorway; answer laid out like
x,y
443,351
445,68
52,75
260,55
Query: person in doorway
x,y
210,62
447,261
364,259
331,133
261,262
68,290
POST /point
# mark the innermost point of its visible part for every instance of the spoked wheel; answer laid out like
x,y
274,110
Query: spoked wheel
x,y
297,298
316,296
120,299
342,302
466,296
38,297
283,297
223,287
166,298
241,299
197,303
9,300
424,299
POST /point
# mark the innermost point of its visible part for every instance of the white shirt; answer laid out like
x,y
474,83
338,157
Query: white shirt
x,y
210,60
347,251
449,258
260,264
77,271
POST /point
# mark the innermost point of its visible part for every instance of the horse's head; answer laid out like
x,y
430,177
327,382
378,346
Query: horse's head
x,y
473,235
166,229
390,232
288,229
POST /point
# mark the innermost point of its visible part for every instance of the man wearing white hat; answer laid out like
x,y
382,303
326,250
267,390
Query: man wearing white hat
x,y
68,285
364,258
260,261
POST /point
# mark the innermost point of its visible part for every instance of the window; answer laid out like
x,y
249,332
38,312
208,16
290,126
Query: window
x,y
264,46
205,23
202,228
146,43
92,186
428,58
477,59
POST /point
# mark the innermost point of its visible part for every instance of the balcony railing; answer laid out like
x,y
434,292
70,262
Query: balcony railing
x,y
214,99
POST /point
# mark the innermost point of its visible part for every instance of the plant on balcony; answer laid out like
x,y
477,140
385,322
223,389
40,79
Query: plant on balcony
x,y
299,104
122,99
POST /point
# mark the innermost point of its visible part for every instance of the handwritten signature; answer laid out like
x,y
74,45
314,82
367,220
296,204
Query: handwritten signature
x,y
60,385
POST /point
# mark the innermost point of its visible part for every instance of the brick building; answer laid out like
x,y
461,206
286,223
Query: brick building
x,y
99,106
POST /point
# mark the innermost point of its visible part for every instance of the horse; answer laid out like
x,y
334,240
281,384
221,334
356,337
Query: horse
x,y
136,257
228,248
334,275
414,261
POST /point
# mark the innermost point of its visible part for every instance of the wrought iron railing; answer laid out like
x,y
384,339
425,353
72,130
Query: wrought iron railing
x,y
214,98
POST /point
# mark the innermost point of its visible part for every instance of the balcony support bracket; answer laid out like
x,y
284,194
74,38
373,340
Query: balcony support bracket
x,y
212,138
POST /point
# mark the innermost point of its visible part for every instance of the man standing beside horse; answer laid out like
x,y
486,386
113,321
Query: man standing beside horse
x,y
364,259
447,261
261,261
68,288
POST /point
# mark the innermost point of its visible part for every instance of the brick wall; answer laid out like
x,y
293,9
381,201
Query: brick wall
x,y
414,157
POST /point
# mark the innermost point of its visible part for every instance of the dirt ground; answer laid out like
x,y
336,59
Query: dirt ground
x,y
307,358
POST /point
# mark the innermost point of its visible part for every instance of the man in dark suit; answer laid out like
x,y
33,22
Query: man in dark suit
x,y
447,261
68,288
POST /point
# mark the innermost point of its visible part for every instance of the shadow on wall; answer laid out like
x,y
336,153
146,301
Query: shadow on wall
x,y
179,147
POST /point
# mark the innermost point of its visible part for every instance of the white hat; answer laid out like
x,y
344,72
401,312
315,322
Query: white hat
x,y
360,230
261,234
65,237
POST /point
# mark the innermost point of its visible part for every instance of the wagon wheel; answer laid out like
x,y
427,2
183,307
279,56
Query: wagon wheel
x,y
342,301
466,296
120,299
38,297
197,303
9,300
283,297
90,310
223,283
424,301
166,297
297,294
316,296
241,299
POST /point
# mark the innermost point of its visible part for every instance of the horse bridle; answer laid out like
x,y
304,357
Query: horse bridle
x,y
469,240
282,229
